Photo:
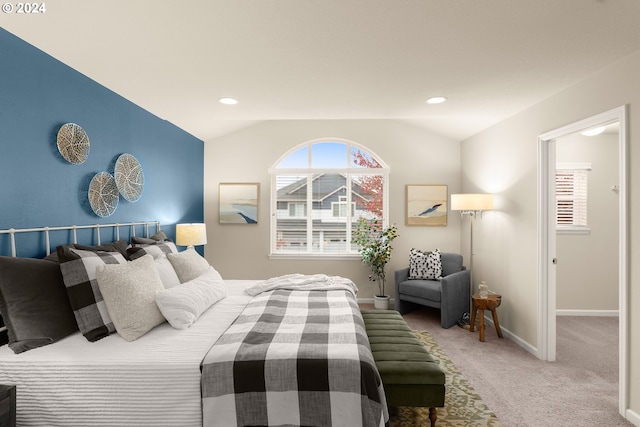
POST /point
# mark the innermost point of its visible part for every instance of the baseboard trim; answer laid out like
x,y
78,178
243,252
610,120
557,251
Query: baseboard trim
x,y
594,313
633,417
489,325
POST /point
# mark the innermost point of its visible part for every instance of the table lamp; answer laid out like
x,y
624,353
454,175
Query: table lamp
x,y
191,235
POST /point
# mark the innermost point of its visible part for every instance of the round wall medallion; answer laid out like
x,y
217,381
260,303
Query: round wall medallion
x,y
103,194
73,143
129,177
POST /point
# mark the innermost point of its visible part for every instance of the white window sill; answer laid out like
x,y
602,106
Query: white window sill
x,y
317,257
573,230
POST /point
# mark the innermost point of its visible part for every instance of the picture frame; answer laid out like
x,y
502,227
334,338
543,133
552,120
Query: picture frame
x,y
238,202
426,205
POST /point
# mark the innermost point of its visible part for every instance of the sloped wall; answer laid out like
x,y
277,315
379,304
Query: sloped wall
x,y
39,188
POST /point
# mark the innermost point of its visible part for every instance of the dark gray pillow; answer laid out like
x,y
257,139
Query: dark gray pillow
x,y
158,237
4,336
34,303
66,254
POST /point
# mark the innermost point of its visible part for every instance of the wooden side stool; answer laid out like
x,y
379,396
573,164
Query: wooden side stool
x,y
491,302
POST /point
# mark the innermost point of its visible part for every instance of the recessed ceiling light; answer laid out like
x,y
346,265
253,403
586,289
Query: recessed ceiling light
x,y
228,101
436,100
593,131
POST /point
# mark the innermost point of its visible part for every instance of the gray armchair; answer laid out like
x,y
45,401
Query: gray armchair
x,y
451,294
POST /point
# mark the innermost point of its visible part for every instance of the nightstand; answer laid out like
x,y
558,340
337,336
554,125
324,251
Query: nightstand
x,y
7,406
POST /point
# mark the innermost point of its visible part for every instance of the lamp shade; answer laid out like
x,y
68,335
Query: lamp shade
x,y
471,202
191,234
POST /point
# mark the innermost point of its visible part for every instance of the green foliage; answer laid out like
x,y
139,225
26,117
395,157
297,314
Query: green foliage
x,y
375,247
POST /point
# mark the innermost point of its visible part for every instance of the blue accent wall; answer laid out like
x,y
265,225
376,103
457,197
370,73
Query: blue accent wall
x,y
38,187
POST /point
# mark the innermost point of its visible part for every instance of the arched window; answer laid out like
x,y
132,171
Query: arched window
x,y
319,189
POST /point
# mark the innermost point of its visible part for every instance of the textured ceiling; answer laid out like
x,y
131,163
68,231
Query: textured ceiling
x,y
334,59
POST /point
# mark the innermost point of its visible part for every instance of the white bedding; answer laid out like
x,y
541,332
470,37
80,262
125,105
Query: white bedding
x,y
153,381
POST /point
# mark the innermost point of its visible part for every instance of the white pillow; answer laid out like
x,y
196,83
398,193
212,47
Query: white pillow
x,y
129,292
182,305
167,273
188,264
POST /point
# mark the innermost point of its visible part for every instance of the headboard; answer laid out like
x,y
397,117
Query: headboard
x,y
46,232
51,237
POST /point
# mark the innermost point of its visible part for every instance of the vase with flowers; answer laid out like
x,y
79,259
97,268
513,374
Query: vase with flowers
x,y
374,241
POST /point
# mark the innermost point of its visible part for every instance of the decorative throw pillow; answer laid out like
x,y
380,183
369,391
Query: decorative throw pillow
x,y
158,237
182,305
188,264
425,265
129,292
167,273
34,303
154,249
65,254
84,294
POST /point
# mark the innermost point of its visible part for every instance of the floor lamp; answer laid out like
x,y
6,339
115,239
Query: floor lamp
x,y
472,205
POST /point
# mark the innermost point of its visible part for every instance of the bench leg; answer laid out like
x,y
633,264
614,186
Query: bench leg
x,y
433,416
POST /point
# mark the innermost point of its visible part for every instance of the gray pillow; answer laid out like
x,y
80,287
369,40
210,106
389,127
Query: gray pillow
x,y
129,292
34,303
158,237
188,264
154,249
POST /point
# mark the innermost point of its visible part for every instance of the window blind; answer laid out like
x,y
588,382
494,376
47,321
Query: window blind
x,y
571,196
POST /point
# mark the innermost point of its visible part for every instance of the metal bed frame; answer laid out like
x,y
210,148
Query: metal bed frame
x,y
13,231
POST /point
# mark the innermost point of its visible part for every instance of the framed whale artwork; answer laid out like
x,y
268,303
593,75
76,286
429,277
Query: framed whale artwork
x,y
426,205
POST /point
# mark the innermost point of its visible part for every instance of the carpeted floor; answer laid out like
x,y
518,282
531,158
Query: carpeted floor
x,y
463,406
580,389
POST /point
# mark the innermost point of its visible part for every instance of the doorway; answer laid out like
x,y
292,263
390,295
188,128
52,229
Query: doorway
x,y
547,259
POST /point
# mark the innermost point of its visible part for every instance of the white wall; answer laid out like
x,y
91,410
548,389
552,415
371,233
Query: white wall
x,y
414,156
587,270
504,159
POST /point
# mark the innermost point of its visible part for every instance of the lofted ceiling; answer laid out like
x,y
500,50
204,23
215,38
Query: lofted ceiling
x,y
334,59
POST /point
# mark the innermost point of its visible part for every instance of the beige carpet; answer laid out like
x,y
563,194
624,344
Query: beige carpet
x,y
463,406
580,389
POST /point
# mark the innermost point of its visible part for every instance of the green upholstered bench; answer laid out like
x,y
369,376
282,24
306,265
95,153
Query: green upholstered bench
x,y
411,377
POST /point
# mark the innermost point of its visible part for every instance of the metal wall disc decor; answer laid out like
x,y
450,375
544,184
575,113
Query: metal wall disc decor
x,y
129,177
73,143
103,194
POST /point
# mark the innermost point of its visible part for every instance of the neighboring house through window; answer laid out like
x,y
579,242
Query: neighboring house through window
x,y
571,197
319,189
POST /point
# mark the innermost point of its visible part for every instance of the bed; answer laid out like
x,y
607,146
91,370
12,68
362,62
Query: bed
x,y
290,350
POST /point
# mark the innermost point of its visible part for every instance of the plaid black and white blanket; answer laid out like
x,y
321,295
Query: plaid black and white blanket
x,y
294,358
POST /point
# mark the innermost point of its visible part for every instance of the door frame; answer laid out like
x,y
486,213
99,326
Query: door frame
x,y
547,240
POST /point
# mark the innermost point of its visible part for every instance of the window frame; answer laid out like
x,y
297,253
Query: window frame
x,y
310,172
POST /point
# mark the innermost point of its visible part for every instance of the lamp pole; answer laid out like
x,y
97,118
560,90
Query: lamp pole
x,y
472,216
